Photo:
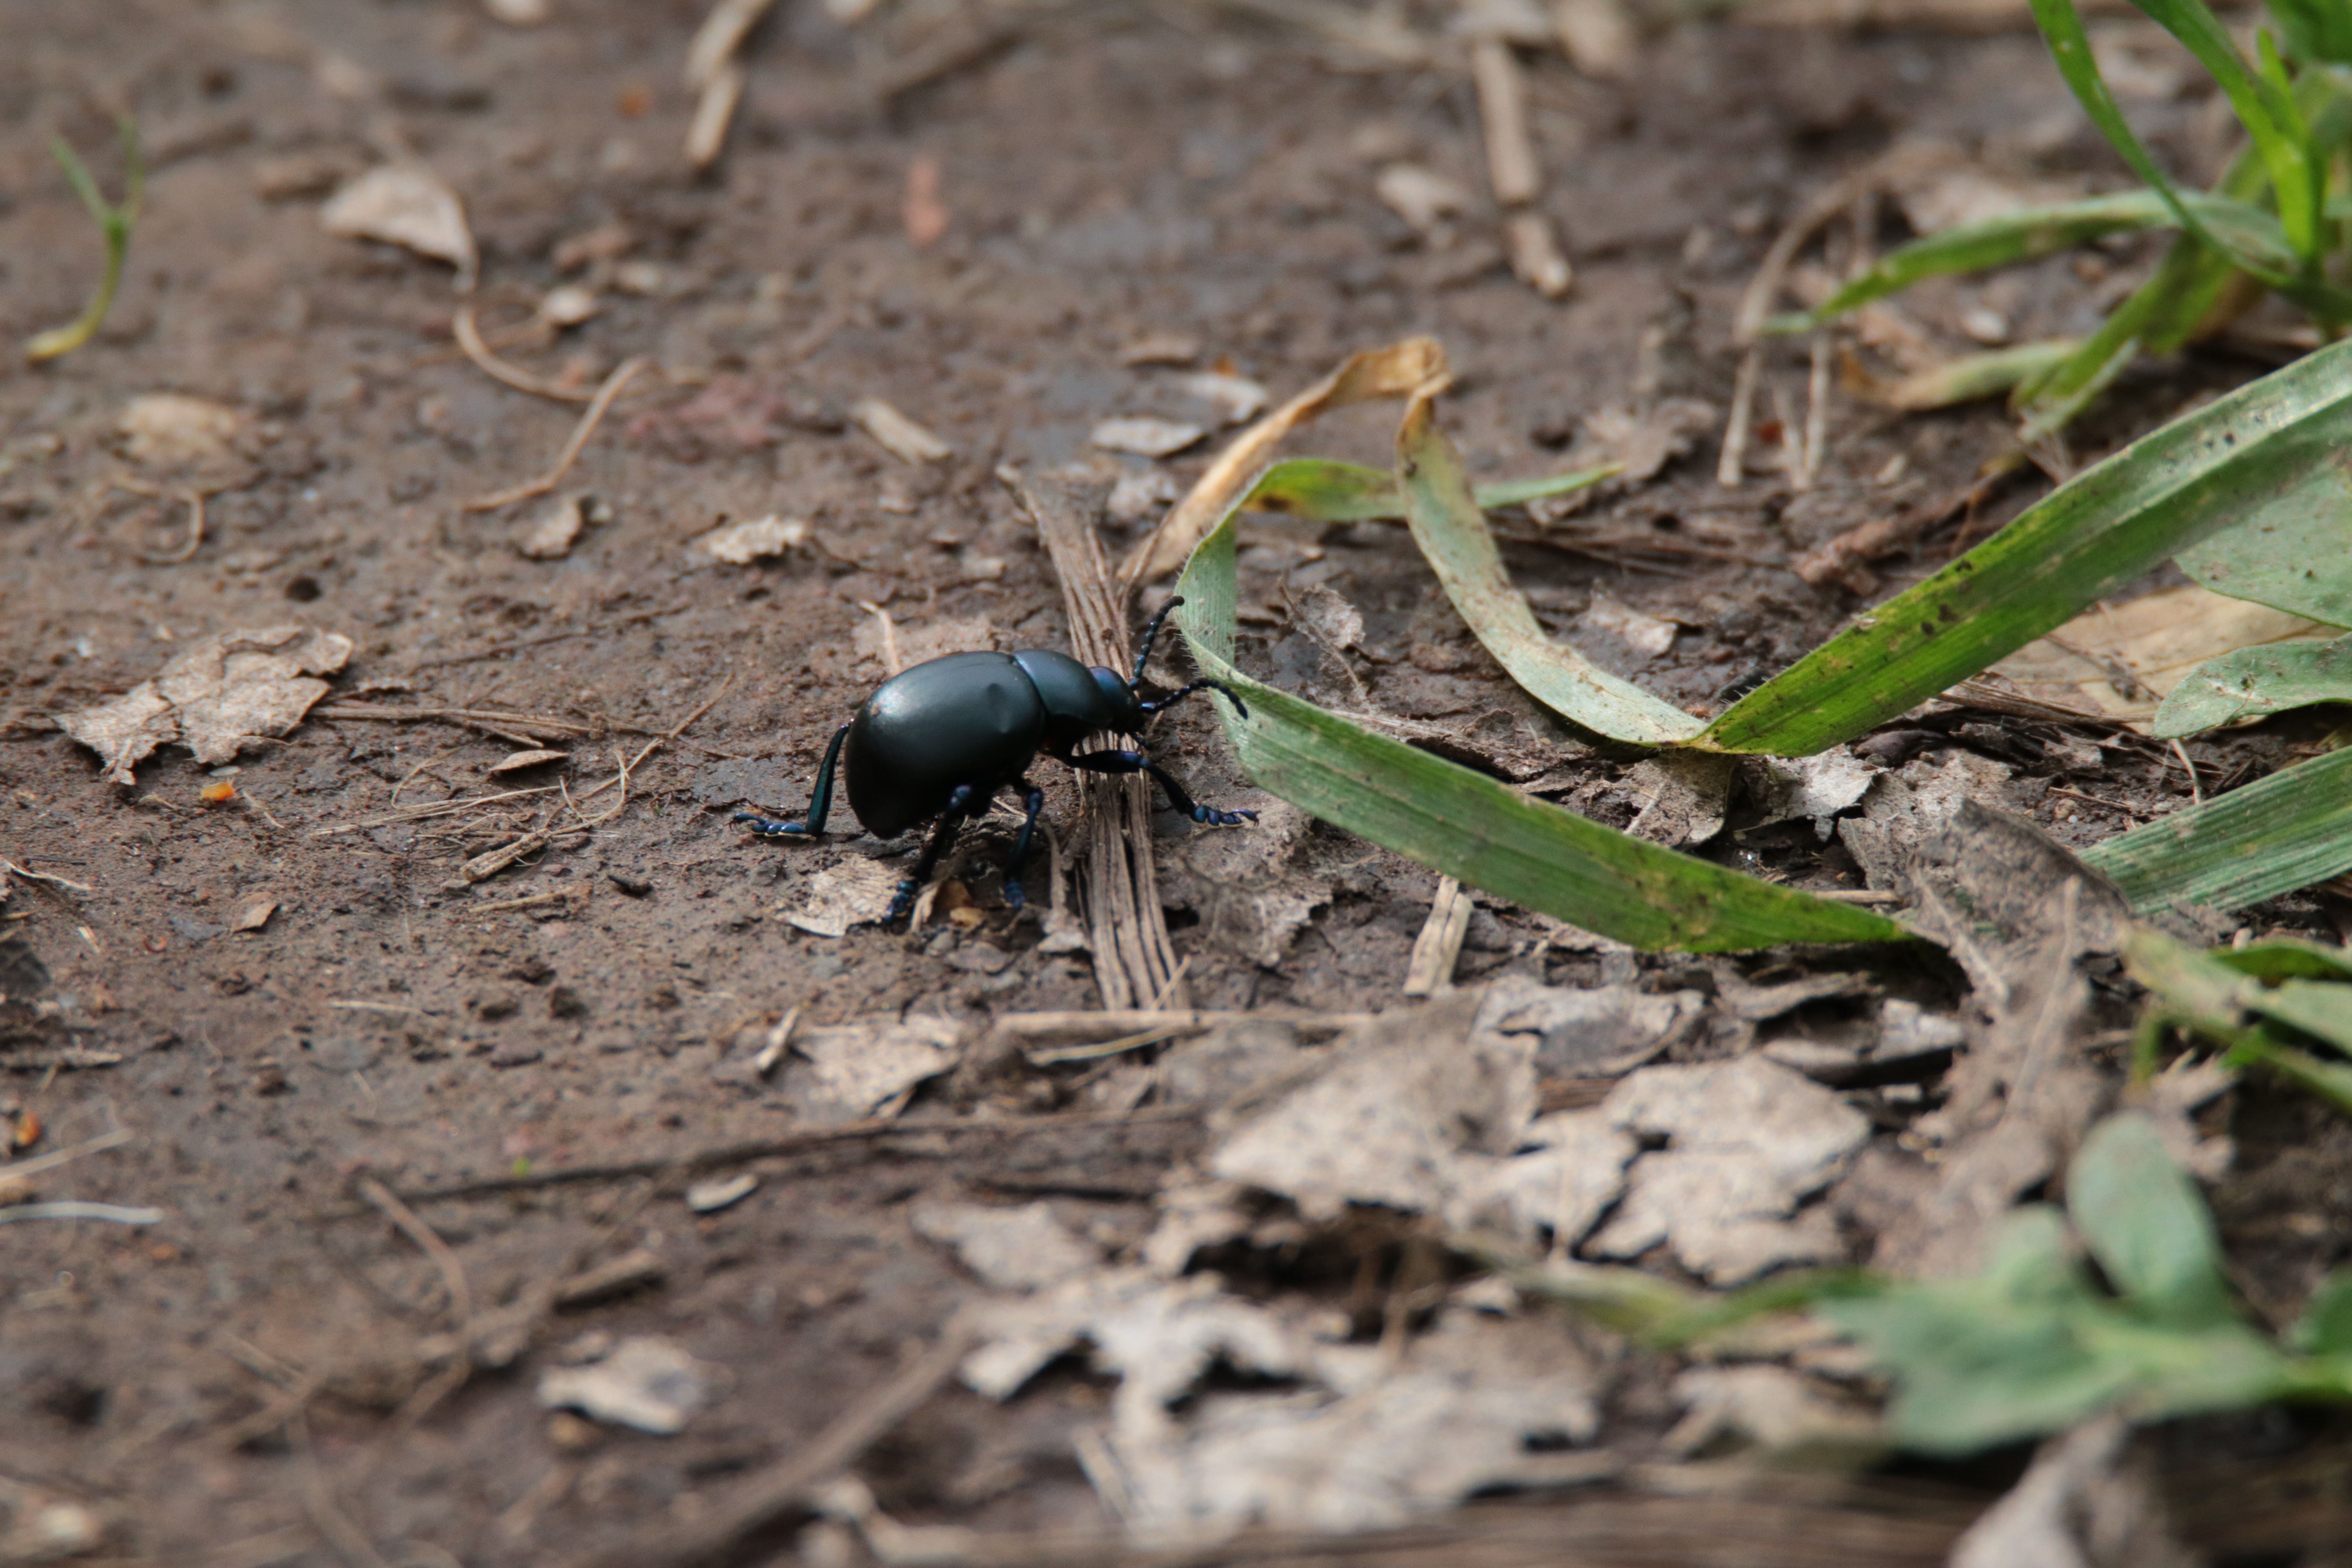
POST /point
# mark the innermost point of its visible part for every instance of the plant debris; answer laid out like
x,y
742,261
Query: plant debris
x,y
217,695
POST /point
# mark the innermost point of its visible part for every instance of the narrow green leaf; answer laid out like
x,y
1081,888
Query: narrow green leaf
x,y
2196,987
2324,1081
2252,681
2089,538
2147,1223
1976,375
1322,489
1446,524
2022,235
2321,1008
1479,831
2273,837
2316,29
2291,553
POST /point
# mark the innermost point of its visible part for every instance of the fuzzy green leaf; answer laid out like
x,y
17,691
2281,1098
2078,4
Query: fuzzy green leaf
x,y
2252,681
2292,553
2147,1223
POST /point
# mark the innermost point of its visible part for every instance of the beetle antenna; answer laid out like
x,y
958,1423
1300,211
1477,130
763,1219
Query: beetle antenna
x,y
1205,684
1151,634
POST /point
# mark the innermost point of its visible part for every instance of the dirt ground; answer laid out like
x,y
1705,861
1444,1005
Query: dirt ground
x,y
255,1378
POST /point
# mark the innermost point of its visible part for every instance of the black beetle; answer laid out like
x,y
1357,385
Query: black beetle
x,y
940,740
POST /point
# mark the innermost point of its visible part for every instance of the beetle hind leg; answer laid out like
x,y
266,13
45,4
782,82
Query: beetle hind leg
x,y
820,800
1032,801
960,804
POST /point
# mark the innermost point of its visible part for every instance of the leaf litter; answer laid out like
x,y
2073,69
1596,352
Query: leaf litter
x,y
215,697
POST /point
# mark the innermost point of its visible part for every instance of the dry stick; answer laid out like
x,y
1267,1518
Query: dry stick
x,y
786,1487
11,869
469,338
1134,959
1731,467
621,376
1439,947
1817,413
801,1143
453,1272
191,494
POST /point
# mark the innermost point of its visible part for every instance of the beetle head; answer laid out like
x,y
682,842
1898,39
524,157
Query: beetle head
x,y
1122,709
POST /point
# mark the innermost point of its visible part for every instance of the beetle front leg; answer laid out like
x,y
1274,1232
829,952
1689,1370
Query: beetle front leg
x,y
1137,763
819,803
959,807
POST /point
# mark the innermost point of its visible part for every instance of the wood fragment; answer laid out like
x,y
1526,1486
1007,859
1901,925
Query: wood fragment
x,y
1817,414
1535,259
1513,171
1439,947
720,37
714,111
899,435
779,1041
1596,36
626,1272
1134,960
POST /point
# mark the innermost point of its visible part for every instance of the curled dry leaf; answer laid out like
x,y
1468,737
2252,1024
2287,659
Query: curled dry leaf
x,y
2123,661
516,761
219,693
1816,788
1236,398
1423,199
1644,438
552,537
741,544
405,205
1645,635
1137,496
254,917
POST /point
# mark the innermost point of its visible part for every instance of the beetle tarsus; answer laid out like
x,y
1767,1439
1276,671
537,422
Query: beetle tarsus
x,y
769,828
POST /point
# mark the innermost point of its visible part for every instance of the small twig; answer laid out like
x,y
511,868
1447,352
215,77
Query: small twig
x,y
564,895
621,376
453,1272
1439,947
469,339
2126,808
114,1214
787,1485
12,870
1731,467
1817,413
870,1130
408,813
2196,784
891,663
114,1138
780,1039
187,551
665,737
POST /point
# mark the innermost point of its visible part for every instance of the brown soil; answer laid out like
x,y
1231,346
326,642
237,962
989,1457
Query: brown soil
x,y
1110,172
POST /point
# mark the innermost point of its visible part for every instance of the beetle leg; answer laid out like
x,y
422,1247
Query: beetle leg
x,y
959,807
1032,801
1137,763
1205,684
819,803
1151,634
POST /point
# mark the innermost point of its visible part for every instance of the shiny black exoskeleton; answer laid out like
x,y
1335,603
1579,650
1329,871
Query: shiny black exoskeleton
x,y
939,740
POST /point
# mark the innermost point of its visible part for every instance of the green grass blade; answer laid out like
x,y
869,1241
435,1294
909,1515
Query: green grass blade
x,y
114,225
1976,375
1999,242
1322,489
1446,524
2087,540
2279,834
2253,681
1482,832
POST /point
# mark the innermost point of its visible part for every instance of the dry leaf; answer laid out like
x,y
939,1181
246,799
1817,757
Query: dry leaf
x,y
739,544
516,761
1024,1249
405,205
709,1197
1596,1033
1747,1141
901,436
1645,439
253,917
1817,789
167,430
1250,896
869,1067
1137,496
1146,437
1772,1408
1645,635
2123,661
649,1384
1423,199
552,537
855,892
219,693
1236,398
1684,796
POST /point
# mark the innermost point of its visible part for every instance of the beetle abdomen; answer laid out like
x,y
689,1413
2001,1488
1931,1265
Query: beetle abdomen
x,y
964,719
